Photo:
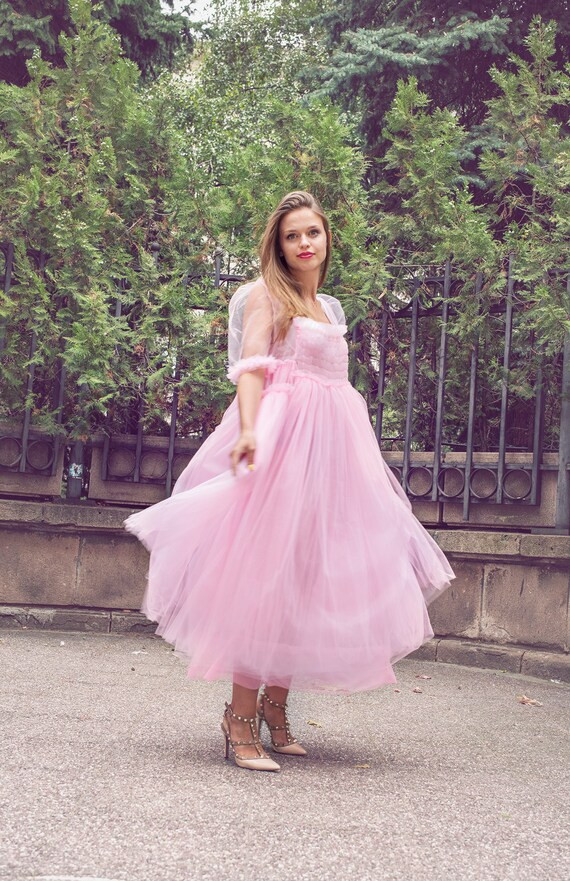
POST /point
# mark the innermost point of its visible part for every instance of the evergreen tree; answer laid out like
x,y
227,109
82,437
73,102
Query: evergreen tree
x,y
425,198
149,36
426,212
254,132
93,177
527,172
100,176
448,46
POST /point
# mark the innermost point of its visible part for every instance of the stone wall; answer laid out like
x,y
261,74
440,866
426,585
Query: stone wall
x,y
511,588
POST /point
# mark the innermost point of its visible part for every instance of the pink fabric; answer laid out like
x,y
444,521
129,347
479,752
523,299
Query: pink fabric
x,y
254,362
309,572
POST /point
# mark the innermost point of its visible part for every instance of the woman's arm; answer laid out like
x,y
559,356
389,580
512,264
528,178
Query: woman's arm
x,y
249,371
249,389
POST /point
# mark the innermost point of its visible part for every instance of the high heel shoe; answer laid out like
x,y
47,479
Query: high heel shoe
x,y
263,763
292,747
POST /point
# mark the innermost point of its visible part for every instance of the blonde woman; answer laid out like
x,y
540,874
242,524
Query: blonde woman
x,y
288,555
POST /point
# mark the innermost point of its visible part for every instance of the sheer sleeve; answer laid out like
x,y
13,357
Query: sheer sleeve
x,y
335,307
250,327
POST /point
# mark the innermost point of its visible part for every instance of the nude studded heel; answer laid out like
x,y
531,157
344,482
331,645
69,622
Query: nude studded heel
x,y
292,747
263,763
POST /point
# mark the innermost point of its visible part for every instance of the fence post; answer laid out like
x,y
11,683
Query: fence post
x,y
505,379
441,377
8,264
562,522
218,254
75,470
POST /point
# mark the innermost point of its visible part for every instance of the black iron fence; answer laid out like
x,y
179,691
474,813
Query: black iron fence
x,y
451,459
500,482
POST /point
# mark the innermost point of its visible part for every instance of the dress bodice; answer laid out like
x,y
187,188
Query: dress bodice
x,y
317,348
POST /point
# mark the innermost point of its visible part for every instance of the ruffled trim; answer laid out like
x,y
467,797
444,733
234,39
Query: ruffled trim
x,y
330,329
254,362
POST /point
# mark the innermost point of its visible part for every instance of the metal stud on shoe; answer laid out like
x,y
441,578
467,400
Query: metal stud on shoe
x,y
292,747
263,763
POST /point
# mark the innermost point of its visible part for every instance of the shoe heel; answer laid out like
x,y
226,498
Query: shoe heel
x,y
227,742
260,763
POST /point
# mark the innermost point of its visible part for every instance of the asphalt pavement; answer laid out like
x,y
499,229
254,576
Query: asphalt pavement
x,y
112,769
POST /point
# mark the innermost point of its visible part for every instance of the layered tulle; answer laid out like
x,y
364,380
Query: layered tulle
x,y
309,572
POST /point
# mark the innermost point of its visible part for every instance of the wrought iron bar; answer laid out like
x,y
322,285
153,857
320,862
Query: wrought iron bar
x,y
138,446
562,520
411,382
218,253
382,374
27,409
472,400
172,434
442,370
537,438
107,437
505,380
8,265
60,390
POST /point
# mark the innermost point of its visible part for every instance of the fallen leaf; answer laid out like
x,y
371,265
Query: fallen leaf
x,y
363,765
397,690
316,724
523,699
418,690
422,676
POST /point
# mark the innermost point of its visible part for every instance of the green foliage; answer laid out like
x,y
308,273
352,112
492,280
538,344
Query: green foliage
x,y
448,46
102,177
428,209
92,172
149,36
528,173
427,204
117,194
254,133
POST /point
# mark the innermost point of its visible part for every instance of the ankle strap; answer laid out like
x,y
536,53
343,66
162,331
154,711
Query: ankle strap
x,y
241,718
273,703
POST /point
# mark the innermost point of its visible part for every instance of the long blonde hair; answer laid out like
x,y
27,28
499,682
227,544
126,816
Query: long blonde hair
x,y
274,270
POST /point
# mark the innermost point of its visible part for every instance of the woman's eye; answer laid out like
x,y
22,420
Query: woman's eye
x,y
315,232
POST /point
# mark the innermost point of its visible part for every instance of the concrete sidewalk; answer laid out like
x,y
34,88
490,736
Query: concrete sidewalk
x,y
112,768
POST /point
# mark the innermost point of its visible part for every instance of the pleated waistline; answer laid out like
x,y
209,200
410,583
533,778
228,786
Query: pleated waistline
x,y
297,375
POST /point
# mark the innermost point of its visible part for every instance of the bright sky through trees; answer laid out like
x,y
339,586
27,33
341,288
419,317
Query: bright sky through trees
x,y
201,8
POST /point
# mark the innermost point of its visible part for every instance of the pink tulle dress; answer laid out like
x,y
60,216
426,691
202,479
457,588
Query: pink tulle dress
x,y
311,571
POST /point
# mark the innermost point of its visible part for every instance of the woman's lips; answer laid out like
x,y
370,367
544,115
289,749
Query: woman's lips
x,y
304,256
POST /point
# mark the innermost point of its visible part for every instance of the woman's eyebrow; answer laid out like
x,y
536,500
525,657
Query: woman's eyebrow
x,y
312,226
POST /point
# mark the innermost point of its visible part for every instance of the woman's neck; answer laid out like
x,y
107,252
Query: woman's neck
x,y
309,286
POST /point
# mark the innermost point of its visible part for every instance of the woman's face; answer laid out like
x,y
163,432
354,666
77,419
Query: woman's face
x,y
302,240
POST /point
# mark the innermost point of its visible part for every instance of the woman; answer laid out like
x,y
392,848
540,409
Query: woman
x,y
288,553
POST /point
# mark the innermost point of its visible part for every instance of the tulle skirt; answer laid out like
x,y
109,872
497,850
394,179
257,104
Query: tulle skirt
x,y
311,571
